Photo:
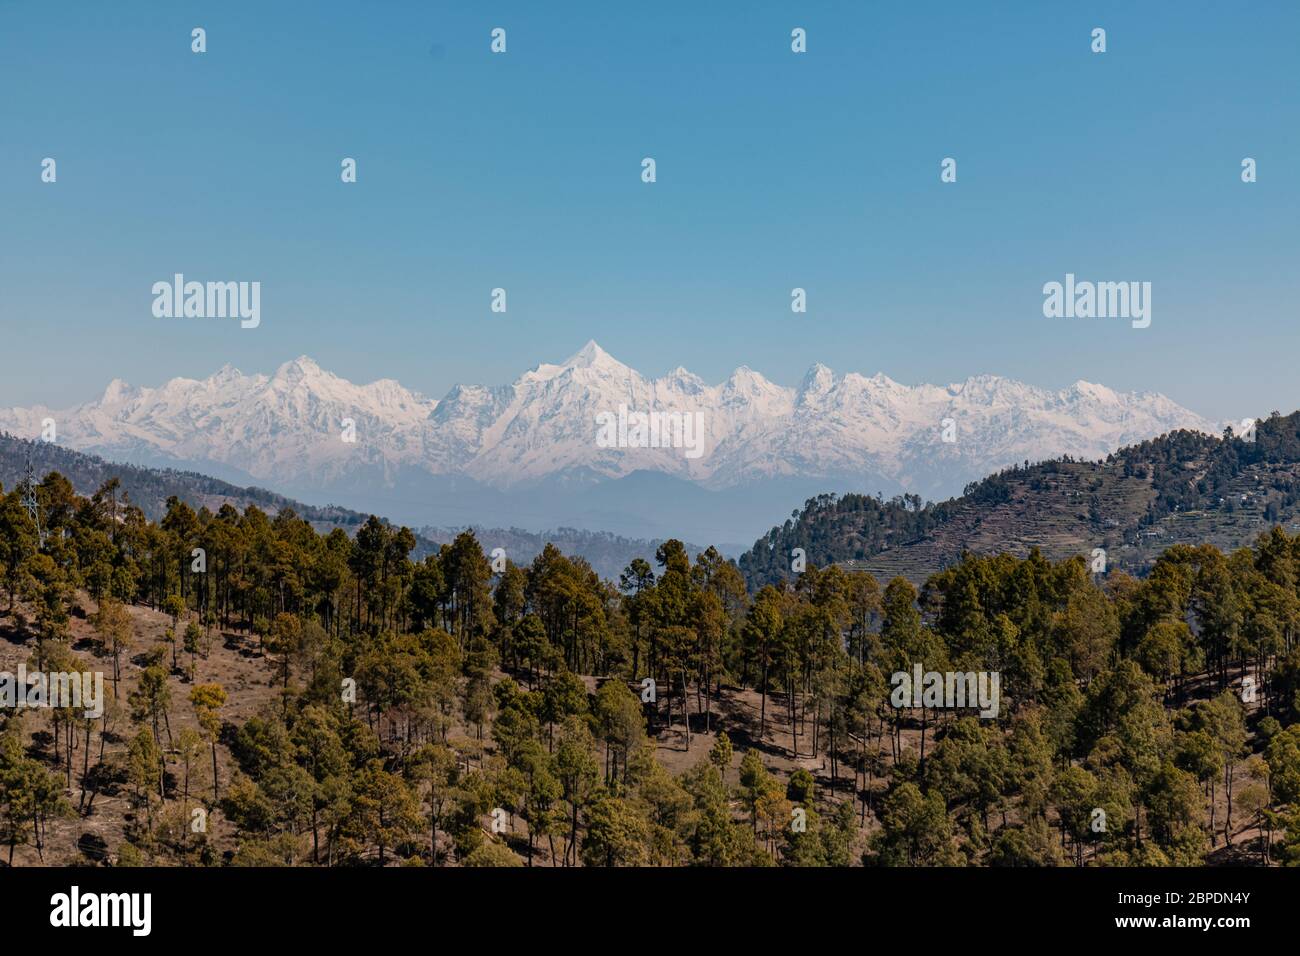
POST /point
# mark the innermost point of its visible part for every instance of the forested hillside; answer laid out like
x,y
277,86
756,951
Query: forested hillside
x,y
298,698
152,488
607,553
1184,487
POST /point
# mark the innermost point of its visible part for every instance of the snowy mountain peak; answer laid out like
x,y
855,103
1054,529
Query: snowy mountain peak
x,y
746,379
302,368
1091,390
592,355
816,380
818,383
873,433
688,382
226,375
119,391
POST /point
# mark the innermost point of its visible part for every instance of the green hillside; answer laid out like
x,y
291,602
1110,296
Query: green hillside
x,y
1183,487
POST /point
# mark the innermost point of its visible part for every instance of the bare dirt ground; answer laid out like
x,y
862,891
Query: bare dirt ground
x,y
232,661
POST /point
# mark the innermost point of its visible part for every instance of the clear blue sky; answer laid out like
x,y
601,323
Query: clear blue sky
x,y
775,170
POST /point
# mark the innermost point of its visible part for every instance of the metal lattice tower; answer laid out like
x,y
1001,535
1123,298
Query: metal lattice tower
x,y
30,501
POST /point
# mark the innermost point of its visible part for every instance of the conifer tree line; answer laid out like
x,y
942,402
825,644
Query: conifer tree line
x,y
437,711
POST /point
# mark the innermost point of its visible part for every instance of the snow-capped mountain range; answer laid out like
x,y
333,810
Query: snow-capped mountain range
x,y
481,446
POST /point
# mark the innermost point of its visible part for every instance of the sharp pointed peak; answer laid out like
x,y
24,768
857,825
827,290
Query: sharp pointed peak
x,y
682,372
119,389
818,376
297,368
226,373
590,355
746,377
